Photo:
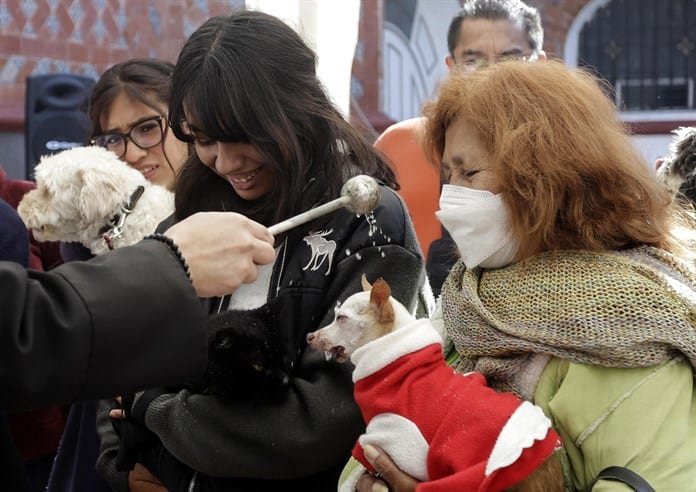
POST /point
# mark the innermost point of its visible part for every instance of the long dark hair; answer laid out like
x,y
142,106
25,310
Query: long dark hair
x,y
146,80
249,77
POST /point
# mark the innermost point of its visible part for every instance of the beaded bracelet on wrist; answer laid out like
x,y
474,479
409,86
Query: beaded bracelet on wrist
x,y
174,249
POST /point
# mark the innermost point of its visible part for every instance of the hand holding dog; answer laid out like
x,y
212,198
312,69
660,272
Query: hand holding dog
x,y
222,250
398,481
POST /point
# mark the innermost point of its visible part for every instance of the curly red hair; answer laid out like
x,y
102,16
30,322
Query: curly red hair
x,y
571,176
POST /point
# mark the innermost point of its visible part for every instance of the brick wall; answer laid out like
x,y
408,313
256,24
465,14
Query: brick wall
x,y
86,37
556,17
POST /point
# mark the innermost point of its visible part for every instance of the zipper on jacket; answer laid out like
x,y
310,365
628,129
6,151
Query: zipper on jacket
x,y
222,300
192,483
282,265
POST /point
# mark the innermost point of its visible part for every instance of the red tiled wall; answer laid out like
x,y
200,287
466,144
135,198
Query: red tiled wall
x,y
86,37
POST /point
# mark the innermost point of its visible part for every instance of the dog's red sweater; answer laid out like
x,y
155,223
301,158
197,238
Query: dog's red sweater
x,y
475,438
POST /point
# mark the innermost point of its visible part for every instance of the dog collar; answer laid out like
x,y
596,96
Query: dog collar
x,y
114,228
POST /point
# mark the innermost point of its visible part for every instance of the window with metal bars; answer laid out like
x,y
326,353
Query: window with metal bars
x,y
646,50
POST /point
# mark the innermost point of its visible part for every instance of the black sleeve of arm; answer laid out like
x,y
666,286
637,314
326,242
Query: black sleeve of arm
x,y
124,321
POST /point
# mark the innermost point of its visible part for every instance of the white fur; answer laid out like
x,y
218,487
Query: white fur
x,y
402,440
681,145
354,325
526,425
669,177
79,190
405,339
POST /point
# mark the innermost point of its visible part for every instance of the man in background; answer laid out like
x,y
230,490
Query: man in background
x,y
482,32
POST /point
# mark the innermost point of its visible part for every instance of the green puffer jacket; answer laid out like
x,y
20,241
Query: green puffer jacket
x,y
643,419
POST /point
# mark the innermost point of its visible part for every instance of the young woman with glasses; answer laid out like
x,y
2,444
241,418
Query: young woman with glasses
x,y
128,110
145,134
128,115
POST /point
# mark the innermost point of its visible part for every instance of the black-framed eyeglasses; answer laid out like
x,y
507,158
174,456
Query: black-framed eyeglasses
x,y
145,134
471,64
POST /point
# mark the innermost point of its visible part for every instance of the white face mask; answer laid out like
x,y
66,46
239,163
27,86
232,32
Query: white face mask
x,y
478,223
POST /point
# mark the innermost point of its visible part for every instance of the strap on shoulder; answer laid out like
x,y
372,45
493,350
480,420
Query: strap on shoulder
x,y
622,474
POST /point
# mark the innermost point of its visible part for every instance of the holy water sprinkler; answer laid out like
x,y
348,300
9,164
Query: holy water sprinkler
x,y
360,194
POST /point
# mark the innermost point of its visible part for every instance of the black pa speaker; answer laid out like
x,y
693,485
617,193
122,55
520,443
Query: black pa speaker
x,y
55,115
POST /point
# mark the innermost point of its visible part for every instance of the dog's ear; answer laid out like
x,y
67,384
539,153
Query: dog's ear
x,y
379,296
365,284
97,192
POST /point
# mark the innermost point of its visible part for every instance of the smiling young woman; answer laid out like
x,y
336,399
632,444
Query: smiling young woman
x,y
269,143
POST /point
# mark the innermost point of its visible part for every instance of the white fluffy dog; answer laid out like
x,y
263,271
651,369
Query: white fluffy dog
x,y
88,195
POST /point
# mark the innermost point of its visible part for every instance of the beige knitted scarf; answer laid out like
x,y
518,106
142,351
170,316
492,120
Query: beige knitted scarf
x,y
634,308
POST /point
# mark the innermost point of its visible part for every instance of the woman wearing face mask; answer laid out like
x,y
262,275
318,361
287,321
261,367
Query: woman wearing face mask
x,y
270,414
575,286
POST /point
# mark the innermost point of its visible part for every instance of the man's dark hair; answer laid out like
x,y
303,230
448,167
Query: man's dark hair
x,y
493,10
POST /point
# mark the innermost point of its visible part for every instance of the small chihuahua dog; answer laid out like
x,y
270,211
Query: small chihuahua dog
x,y
449,429
363,317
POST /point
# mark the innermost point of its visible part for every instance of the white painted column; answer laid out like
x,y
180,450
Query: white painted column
x,y
330,27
